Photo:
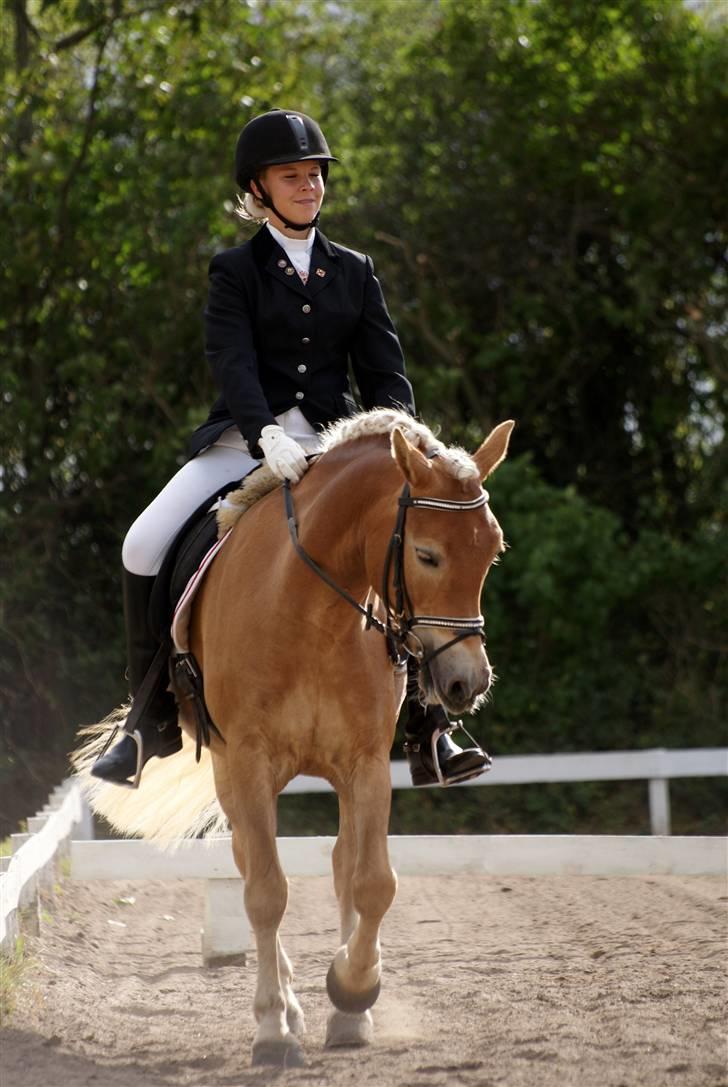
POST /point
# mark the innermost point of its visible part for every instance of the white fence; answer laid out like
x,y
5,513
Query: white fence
x,y
655,766
226,934
33,867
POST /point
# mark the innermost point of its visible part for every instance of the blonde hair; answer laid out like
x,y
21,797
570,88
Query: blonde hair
x,y
250,208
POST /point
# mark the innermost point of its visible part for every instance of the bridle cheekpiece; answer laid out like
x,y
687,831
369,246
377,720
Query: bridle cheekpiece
x,y
400,618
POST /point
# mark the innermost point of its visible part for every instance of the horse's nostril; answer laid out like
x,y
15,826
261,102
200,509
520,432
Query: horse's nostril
x,y
457,692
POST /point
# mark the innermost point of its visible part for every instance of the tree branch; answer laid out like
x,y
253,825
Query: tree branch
x,y
444,349
87,136
79,35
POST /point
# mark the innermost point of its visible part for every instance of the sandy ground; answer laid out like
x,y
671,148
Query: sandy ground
x,y
600,982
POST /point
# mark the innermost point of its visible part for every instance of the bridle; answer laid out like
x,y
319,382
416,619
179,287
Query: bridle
x,y
400,619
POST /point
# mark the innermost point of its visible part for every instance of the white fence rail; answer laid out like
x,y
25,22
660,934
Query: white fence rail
x,y
656,766
226,934
32,868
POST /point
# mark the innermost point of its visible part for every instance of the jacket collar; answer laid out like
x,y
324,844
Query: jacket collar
x,y
268,255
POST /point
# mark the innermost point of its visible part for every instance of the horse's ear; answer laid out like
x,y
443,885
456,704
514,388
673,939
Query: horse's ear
x,y
494,448
414,466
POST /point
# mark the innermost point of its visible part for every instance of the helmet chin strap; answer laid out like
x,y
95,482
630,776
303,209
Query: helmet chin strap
x,y
268,203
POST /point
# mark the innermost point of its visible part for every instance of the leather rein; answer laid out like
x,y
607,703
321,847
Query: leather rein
x,y
400,619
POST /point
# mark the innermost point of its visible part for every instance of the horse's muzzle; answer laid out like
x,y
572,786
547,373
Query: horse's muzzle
x,y
458,684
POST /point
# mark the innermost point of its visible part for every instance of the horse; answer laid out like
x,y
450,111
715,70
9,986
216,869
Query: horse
x,y
302,628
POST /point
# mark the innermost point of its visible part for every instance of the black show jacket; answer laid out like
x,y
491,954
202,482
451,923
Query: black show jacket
x,y
274,343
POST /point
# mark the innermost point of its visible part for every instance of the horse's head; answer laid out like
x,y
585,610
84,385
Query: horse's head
x,y
448,550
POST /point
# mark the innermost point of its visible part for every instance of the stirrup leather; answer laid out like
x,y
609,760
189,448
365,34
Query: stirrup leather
x,y
189,685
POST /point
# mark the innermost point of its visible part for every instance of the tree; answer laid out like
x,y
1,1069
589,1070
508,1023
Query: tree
x,y
541,186
547,180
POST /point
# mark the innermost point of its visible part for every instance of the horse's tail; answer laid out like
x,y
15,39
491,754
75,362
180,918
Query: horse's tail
x,y
176,798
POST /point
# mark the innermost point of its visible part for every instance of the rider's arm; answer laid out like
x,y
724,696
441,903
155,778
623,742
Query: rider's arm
x,y
376,353
230,350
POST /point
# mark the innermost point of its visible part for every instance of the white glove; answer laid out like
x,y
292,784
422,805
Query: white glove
x,y
283,455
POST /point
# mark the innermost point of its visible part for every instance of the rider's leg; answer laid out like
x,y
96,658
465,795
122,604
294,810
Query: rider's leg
x,y
145,546
158,731
423,724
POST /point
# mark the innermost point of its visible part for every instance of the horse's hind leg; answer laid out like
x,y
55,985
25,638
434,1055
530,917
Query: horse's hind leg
x,y
266,897
354,976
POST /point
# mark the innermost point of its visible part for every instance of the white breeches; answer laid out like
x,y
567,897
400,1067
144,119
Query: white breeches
x,y
149,538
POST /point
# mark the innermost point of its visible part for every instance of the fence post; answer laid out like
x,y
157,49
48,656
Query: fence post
x,y
659,797
226,936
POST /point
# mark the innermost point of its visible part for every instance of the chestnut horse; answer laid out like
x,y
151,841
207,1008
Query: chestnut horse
x,y
301,680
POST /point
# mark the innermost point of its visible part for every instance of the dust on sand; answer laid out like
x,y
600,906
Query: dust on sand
x,y
600,982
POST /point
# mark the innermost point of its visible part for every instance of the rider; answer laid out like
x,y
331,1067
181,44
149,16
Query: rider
x,y
286,311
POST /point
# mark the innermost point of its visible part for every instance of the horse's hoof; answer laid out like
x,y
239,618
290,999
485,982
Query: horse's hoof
x,y
346,1001
283,1054
347,1029
295,1020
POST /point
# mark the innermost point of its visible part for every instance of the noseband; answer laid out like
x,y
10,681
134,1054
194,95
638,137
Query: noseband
x,y
400,619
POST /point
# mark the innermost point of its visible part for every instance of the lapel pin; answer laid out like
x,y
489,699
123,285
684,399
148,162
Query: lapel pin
x,y
289,271
281,263
321,272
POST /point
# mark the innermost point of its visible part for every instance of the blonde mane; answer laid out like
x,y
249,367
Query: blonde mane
x,y
454,460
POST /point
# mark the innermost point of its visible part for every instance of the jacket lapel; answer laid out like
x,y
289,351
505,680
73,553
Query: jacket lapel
x,y
269,256
323,268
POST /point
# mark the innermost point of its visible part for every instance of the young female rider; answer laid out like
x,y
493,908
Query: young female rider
x,y
286,312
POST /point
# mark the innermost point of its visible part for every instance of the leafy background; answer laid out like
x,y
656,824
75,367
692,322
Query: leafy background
x,y
542,188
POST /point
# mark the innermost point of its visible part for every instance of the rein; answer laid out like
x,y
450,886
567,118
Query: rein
x,y
398,632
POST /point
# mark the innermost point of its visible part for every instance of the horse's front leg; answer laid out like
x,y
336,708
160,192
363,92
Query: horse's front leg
x,y
266,897
346,1028
354,976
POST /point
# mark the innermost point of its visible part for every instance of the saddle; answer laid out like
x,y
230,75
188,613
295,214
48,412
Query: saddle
x,y
193,541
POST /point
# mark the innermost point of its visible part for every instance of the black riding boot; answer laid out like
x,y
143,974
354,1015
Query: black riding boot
x,y
156,732
432,756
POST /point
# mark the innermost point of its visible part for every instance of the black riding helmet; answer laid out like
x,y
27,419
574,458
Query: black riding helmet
x,y
279,136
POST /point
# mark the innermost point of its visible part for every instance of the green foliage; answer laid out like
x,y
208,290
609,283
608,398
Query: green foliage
x,y
12,967
544,181
542,187
603,640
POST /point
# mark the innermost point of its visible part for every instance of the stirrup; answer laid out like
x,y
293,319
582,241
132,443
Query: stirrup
x,y
136,736
464,775
134,783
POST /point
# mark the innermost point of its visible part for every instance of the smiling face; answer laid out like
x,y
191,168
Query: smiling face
x,y
296,189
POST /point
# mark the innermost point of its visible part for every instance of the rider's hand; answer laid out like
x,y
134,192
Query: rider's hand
x,y
283,455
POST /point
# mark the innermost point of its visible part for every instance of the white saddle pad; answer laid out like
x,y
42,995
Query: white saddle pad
x,y
181,618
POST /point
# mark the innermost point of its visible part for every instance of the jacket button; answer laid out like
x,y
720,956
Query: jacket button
x,y
299,396
306,339
302,367
305,308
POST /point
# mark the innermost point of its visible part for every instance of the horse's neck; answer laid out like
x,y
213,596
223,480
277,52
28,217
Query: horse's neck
x,y
344,519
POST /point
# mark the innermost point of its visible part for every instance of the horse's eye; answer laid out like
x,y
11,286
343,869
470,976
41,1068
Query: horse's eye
x,y
426,557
